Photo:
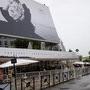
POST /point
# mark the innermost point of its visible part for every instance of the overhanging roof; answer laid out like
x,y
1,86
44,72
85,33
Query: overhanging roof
x,y
37,54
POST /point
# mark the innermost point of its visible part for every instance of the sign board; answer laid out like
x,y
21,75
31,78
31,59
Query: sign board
x,y
27,18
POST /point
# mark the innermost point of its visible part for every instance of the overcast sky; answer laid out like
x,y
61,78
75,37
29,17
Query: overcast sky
x,y
72,21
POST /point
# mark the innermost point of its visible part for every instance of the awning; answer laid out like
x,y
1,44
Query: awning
x,y
81,63
38,54
19,62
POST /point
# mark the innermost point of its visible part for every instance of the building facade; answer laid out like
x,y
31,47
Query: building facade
x,y
27,30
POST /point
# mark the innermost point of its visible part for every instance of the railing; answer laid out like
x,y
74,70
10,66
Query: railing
x,y
45,79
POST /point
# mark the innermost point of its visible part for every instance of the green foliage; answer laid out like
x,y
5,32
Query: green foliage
x,y
86,59
77,50
89,52
80,58
36,45
21,43
70,50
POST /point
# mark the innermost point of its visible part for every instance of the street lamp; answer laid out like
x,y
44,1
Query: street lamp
x,y
13,61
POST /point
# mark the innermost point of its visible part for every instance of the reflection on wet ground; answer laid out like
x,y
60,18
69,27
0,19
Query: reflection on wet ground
x,y
82,83
5,87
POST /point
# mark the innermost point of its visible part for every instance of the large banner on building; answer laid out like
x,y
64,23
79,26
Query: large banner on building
x,y
27,18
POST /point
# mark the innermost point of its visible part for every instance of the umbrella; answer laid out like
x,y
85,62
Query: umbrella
x,y
82,63
78,62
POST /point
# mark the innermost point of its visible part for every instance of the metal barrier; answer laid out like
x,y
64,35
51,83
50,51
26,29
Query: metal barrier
x,y
56,78
28,83
5,86
45,79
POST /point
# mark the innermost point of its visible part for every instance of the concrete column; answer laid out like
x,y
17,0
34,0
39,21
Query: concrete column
x,y
42,45
30,45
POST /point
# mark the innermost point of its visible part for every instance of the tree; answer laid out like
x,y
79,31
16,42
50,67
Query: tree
x,y
86,60
89,54
77,50
70,50
80,58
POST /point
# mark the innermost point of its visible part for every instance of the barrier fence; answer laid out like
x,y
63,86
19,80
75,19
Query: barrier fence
x,y
44,79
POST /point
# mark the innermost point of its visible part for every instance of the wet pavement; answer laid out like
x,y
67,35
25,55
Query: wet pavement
x,y
5,87
82,83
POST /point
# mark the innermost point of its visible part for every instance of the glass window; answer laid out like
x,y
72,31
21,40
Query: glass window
x,y
0,43
6,43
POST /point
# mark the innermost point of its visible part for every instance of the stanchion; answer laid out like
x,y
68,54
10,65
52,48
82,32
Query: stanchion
x,y
21,83
13,61
33,83
10,84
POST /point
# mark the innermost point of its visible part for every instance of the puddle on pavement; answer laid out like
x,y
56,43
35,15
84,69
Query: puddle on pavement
x,y
87,88
72,83
64,88
85,85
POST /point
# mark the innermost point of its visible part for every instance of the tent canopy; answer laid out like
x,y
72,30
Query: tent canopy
x,y
19,62
81,63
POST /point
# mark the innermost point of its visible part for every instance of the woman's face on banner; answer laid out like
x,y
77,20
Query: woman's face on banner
x,y
15,10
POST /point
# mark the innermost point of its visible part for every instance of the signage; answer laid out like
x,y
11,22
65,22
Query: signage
x,y
27,18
